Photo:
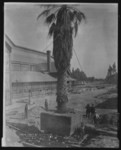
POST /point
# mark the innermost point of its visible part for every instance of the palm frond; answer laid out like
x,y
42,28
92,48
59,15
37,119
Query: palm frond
x,y
60,22
52,29
44,13
80,16
48,8
71,16
73,8
76,28
50,19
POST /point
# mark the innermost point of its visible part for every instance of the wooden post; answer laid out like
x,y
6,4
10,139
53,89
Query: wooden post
x,y
29,96
10,77
26,111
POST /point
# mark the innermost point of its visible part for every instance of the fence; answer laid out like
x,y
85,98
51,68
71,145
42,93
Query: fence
x,y
21,90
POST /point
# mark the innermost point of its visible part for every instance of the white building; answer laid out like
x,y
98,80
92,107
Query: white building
x,y
27,72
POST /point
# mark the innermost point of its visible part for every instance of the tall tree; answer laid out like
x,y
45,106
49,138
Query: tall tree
x,y
63,21
110,70
114,68
79,75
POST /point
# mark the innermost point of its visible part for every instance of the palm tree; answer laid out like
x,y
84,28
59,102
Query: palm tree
x,y
63,21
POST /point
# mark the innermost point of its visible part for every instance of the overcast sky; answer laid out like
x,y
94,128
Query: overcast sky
x,y
96,42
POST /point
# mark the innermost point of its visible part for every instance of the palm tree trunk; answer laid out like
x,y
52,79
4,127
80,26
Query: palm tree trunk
x,y
62,97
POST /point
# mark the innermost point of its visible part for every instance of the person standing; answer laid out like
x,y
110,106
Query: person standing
x,y
26,111
29,97
87,110
82,130
46,105
92,110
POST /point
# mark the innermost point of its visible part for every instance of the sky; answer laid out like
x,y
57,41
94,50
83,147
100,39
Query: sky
x,y
96,43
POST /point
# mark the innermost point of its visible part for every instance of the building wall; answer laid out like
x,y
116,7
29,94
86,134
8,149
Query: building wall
x,y
27,59
23,66
23,59
22,90
7,83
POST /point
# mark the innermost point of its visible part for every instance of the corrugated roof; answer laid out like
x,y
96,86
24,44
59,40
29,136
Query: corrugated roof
x,y
28,76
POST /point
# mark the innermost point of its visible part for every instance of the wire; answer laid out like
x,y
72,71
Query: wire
x,y
49,44
78,59
73,49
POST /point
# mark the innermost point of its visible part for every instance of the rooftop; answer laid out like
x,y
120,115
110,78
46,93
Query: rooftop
x,y
24,48
23,76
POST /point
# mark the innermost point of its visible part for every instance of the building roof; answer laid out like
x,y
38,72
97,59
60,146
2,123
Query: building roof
x,y
23,76
24,48
29,76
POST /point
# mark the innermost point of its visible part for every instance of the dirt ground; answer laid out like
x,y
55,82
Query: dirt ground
x,y
103,142
103,96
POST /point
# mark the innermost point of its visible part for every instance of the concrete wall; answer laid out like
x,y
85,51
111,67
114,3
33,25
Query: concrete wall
x,y
60,124
56,124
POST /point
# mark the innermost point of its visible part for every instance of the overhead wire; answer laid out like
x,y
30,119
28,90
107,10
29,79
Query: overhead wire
x,y
77,59
49,44
73,49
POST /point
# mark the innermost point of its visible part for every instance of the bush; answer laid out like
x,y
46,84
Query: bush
x,y
109,119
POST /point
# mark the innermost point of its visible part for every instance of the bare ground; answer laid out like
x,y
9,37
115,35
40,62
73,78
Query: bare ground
x,y
103,96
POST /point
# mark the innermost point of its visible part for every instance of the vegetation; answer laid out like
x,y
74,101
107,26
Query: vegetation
x,y
63,21
110,103
112,75
79,75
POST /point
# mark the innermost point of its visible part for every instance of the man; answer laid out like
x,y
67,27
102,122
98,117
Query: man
x,y
26,111
92,110
87,110
46,105
82,130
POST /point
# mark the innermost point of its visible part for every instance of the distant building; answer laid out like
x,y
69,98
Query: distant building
x,y
27,72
